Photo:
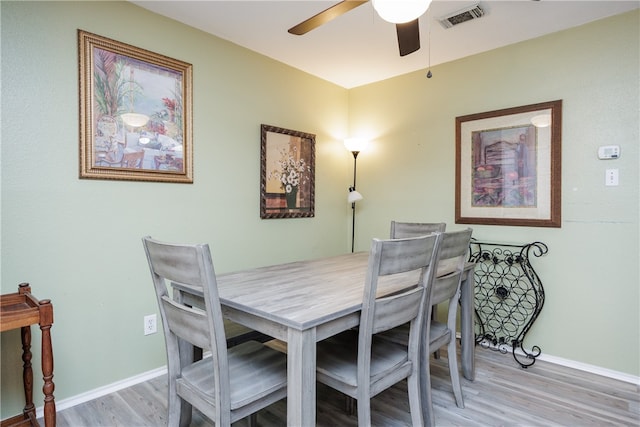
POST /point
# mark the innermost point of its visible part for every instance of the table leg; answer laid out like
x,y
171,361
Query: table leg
x,y
301,378
467,332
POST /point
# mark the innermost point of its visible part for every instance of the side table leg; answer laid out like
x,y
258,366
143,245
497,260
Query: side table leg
x,y
46,318
27,371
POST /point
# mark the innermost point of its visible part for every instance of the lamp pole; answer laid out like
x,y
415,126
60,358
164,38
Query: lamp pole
x,y
354,145
353,204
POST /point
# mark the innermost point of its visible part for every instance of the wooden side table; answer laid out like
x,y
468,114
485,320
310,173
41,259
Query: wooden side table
x,y
21,310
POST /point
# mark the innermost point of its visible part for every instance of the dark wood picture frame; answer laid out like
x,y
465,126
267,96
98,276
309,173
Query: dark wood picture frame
x,y
287,173
135,113
508,169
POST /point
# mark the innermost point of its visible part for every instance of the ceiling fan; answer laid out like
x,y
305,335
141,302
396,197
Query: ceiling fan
x,y
407,29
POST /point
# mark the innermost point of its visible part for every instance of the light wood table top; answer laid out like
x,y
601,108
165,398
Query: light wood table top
x,y
307,301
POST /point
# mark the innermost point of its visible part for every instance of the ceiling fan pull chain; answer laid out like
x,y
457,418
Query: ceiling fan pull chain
x,y
429,74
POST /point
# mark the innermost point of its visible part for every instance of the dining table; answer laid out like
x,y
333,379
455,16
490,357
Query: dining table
x,y
304,302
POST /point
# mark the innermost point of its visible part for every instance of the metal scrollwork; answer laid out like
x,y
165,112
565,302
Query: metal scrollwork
x,y
508,296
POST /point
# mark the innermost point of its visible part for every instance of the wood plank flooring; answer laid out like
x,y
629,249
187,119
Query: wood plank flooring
x,y
503,394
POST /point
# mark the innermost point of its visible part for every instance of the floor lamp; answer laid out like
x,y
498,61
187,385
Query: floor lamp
x,y
355,146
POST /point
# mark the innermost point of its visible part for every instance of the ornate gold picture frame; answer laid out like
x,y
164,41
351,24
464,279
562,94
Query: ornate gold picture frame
x,y
135,113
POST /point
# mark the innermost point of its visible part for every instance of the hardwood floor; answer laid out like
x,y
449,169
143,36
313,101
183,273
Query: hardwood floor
x,y
503,394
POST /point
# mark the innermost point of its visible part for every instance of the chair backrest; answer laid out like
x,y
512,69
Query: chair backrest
x,y
190,265
400,230
408,263
452,257
115,153
133,159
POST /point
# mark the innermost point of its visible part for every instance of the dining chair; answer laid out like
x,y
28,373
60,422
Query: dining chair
x,y
412,229
401,230
132,159
227,384
356,362
451,261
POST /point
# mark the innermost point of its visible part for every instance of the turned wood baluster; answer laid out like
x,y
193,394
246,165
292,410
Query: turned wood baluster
x,y
46,320
27,371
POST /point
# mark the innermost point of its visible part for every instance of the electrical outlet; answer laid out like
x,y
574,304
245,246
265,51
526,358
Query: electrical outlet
x,y
150,325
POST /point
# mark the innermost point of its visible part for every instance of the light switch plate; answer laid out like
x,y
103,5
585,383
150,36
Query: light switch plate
x,y
611,177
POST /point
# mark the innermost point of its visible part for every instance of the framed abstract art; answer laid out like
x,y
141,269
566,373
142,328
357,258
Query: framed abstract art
x,y
508,166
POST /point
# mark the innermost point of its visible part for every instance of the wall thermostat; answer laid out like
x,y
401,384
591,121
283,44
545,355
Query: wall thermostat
x,y
609,152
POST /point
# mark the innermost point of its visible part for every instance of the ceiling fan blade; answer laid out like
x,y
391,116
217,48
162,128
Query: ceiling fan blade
x,y
408,37
325,16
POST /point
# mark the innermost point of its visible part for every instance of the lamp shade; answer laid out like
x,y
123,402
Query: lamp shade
x,y
400,11
355,144
353,195
135,119
541,121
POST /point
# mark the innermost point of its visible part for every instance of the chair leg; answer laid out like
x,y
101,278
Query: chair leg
x,y
253,420
425,395
179,411
453,373
415,405
364,412
350,405
185,413
174,406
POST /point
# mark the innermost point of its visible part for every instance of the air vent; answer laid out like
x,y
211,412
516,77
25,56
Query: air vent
x,y
463,15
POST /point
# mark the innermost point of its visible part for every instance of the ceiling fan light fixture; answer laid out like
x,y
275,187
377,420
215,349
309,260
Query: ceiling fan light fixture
x,y
134,119
400,11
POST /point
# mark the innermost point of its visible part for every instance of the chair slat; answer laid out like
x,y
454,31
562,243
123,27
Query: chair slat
x,y
401,230
444,288
399,256
396,310
188,323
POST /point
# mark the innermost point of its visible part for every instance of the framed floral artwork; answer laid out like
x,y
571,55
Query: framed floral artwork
x,y
287,173
508,166
135,113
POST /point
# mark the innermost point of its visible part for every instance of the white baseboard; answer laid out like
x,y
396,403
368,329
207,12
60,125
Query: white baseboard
x,y
145,376
104,390
609,373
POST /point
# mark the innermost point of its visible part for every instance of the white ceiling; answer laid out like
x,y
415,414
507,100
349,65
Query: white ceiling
x,y
359,47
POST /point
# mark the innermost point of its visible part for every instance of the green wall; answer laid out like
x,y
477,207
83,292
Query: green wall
x,y
590,274
78,241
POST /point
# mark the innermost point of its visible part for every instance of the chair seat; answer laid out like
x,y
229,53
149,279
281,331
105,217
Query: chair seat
x,y
439,335
336,358
249,363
